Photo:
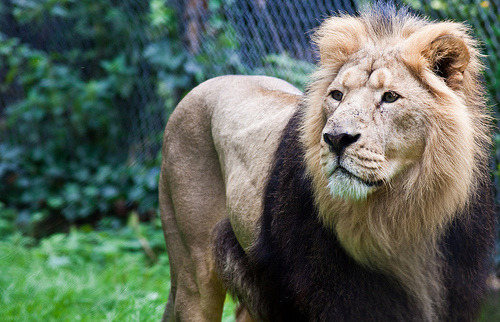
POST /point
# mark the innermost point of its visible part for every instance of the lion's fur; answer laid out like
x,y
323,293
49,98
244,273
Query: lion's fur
x,y
218,147
425,198
395,229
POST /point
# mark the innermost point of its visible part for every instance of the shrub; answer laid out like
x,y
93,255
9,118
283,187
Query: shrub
x,y
67,152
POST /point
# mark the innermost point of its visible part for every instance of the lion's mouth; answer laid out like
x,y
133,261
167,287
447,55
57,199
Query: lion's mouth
x,y
344,172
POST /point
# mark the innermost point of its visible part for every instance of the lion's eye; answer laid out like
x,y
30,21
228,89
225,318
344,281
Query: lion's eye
x,y
337,95
390,97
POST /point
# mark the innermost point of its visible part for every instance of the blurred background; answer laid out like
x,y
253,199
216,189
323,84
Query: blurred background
x,y
86,88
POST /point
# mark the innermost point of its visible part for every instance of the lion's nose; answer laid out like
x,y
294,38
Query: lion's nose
x,y
338,142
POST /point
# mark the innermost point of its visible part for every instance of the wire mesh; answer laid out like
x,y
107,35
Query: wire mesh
x,y
216,37
253,30
231,36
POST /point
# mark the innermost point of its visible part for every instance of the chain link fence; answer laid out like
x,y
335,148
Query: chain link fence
x,y
226,36
254,29
127,63
85,44
258,29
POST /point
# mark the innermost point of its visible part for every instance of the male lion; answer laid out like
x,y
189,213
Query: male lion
x,y
366,198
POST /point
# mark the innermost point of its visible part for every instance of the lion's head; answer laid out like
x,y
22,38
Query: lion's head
x,y
394,131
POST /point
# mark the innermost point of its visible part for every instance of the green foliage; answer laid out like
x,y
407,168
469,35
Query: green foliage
x,y
285,67
178,71
7,218
66,106
87,275
220,53
491,308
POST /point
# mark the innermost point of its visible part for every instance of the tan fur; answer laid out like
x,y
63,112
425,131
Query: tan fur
x,y
218,148
220,141
396,227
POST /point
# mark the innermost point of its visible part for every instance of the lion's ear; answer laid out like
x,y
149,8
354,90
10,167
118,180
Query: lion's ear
x,y
338,38
448,56
444,49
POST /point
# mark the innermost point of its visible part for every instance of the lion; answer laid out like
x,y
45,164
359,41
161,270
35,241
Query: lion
x,y
367,197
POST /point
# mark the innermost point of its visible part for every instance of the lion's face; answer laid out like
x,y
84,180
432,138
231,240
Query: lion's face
x,y
375,125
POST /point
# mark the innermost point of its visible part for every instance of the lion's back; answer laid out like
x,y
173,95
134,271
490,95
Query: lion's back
x,y
229,127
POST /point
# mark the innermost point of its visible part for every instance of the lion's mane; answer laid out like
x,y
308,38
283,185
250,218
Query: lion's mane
x,y
397,229
419,247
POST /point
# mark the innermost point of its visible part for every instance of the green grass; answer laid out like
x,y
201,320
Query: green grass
x,y
86,275
79,278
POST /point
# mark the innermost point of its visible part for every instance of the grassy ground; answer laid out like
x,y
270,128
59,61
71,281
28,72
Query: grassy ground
x,y
86,276
111,275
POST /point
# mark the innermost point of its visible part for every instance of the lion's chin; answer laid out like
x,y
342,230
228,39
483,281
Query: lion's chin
x,y
345,185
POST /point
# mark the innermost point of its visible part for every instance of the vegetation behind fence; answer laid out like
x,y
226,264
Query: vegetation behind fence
x,y
86,87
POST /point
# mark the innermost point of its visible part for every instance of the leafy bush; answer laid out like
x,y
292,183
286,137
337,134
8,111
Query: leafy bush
x,y
7,218
73,75
67,102
285,67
